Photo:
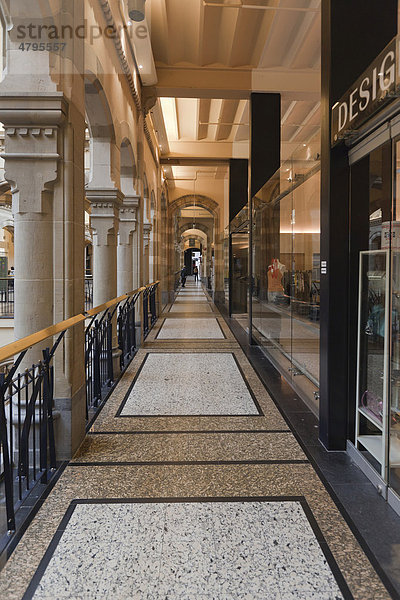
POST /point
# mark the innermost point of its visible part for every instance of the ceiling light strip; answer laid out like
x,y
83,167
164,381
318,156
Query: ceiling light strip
x,y
256,7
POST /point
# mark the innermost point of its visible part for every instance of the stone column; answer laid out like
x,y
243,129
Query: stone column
x,y
31,168
106,204
125,253
146,249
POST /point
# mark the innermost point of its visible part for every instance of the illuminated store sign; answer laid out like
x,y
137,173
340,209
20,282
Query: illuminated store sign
x,y
377,85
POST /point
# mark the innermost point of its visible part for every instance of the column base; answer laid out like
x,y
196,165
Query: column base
x,y
219,297
116,356
70,427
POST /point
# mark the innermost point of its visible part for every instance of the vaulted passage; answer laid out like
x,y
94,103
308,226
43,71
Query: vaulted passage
x,y
199,299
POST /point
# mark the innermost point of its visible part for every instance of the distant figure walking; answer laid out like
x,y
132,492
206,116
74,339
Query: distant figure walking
x,y
183,276
196,273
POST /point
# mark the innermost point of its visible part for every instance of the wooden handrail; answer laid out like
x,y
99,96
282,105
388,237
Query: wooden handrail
x,y
99,309
25,343
31,340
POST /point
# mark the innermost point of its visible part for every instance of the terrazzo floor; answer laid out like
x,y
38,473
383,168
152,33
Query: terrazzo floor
x,y
190,329
190,485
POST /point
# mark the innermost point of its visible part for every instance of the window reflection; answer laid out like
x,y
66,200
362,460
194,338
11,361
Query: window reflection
x,y
286,254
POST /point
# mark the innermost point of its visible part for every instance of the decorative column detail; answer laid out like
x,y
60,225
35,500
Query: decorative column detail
x,y
106,204
32,138
146,252
146,233
127,228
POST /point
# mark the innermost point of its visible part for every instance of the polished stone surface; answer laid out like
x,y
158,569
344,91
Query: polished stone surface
x,y
190,447
188,550
196,481
191,307
189,384
183,329
259,546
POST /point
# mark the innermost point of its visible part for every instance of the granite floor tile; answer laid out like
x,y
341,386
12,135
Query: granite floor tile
x,y
262,525
187,550
190,447
191,481
191,307
179,329
189,384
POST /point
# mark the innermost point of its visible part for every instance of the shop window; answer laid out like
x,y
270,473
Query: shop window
x,y
286,270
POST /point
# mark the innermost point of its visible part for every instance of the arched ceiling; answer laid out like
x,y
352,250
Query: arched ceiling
x,y
210,54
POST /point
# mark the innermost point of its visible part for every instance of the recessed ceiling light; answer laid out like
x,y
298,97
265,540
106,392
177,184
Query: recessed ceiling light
x,y
140,66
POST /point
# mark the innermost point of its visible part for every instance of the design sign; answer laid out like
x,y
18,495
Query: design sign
x,y
378,85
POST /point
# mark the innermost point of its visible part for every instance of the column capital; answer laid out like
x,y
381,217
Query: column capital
x,y
127,220
104,197
31,144
147,228
33,110
104,218
131,200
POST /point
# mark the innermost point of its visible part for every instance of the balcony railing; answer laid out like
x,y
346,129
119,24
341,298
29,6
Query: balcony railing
x,y
28,444
7,297
88,292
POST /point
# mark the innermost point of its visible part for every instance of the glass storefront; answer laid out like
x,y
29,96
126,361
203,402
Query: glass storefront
x,y
286,268
375,193
239,261
226,268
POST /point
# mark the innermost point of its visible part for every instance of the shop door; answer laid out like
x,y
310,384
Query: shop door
x,y
240,272
372,274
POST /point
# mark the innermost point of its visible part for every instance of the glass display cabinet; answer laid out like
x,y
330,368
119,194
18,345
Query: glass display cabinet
x,y
374,410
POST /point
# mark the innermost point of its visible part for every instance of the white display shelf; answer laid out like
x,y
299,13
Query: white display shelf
x,y
373,443
370,418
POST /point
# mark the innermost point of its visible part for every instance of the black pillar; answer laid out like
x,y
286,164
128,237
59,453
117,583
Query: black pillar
x,y
353,34
265,159
265,138
238,185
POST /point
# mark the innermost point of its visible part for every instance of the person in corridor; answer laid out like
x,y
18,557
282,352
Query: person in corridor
x,y
183,276
196,273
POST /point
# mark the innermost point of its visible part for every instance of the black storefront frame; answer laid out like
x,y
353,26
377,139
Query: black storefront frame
x,y
383,132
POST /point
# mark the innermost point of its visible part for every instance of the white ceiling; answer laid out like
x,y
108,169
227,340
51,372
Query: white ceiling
x,y
210,54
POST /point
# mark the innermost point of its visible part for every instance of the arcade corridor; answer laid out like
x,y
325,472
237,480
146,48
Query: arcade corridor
x,y
190,484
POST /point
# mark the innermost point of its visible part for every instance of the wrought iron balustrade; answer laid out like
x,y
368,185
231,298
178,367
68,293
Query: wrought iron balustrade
x,y
88,292
28,441
149,308
7,297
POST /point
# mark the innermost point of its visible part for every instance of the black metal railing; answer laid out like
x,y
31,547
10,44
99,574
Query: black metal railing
x,y
88,292
149,308
28,445
28,450
127,329
7,297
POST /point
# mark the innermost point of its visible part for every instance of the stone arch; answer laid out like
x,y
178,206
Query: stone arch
x,y
103,171
198,200
128,168
200,226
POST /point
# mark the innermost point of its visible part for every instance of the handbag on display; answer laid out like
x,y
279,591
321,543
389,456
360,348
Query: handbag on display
x,y
372,404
